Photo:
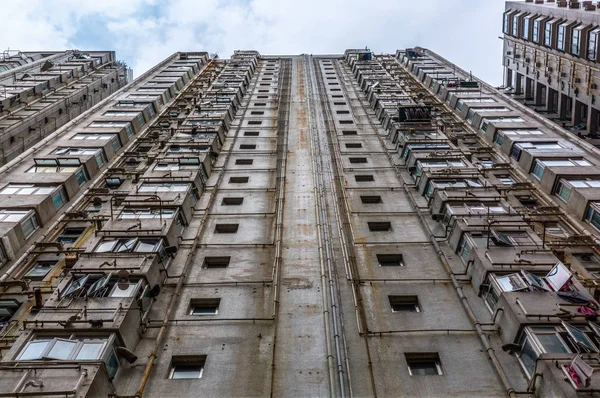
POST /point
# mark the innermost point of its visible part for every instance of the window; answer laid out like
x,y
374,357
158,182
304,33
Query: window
x,y
390,260
121,113
40,270
380,226
204,306
548,33
486,121
146,213
70,234
232,201
69,347
59,198
108,123
349,132
255,122
364,178
562,32
505,179
238,180
535,35
423,364
101,285
217,262
353,145
592,49
76,151
560,339
541,164
164,187
244,161
511,238
593,215
404,303
128,245
358,160
522,132
247,146
525,34
346,121
187,367
226,228
492,109
8,307
589,261
27,189
576,40
370,199
498,138
420,147
533,146
251,133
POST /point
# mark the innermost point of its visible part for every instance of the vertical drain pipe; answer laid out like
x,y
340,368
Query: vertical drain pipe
x,y
319,210
276,277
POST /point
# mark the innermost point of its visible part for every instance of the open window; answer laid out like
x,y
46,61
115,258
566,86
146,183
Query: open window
x,y
102,285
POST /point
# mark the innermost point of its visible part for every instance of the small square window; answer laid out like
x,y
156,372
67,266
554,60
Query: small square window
x,y
232,201
346,121
423,364
343,112
247,146
251,133
339,103
257,112
217,262
380,226
244,161
187,367
404,304
390,260
226,228
207,306
364,178
349,132
255,122
238,180
260,104
358,160
370,199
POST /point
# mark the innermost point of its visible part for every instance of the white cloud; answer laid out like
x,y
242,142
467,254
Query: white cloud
x,y
463,31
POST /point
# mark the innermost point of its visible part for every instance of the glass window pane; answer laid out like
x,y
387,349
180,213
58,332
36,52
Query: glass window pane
x,y
90,351
62,349
34,350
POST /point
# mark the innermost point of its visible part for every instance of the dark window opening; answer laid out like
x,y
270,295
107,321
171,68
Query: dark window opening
x,y
390,260
371,199
232,201
380,226
226,228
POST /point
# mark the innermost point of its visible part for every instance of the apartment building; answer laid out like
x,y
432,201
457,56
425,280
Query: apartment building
x,y
551,63
264,225
42,91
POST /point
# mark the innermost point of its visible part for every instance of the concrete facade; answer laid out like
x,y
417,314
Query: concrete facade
x,y
341,225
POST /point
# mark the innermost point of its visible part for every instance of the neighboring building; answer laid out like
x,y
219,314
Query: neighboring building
x,y
302,226
551,61
40,92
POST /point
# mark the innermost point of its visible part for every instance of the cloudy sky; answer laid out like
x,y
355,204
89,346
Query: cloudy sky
x,y
143,32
